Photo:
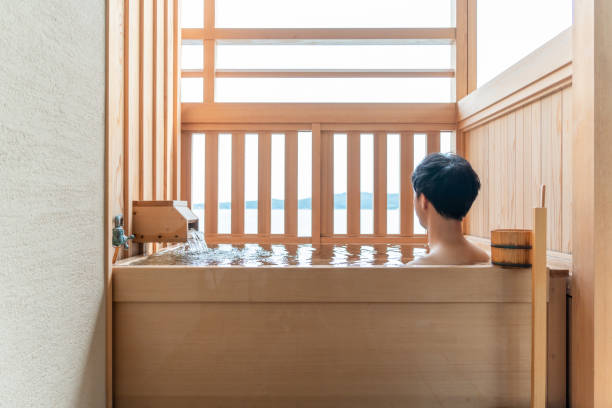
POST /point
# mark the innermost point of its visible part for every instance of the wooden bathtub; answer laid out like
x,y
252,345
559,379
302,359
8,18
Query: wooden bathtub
x,y
330,337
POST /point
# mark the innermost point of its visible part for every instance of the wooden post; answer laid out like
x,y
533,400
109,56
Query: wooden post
x,y
327,184
291,180
433,142
591,338
238,183
211,190
316,183
539,310
265,180
407,196
353,199
380,183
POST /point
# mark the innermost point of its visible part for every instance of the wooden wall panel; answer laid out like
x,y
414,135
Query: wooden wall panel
x,y
146,100
144,151
515,153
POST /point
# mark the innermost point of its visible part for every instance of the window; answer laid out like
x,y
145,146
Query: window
x,y
509,30
319,51
336,13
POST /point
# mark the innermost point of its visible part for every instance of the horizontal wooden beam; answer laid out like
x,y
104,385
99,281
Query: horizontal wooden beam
x,y
547,67
412,35
335,73
268,113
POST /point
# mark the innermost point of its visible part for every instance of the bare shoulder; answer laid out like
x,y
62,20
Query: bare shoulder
x,y
478,254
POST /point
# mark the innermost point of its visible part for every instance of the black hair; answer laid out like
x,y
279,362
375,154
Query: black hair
x,y
448,182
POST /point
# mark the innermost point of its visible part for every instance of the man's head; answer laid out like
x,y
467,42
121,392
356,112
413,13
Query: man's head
x,y
444,183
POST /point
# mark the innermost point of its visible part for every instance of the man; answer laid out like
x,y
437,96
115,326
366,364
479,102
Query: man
x,y
445,186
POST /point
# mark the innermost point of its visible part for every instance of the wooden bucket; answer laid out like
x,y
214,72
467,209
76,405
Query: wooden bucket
x,y
511,247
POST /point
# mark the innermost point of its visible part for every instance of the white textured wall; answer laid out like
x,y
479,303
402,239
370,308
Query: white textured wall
x,y
51,203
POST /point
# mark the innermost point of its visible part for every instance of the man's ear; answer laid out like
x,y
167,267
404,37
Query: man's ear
x,y
424,201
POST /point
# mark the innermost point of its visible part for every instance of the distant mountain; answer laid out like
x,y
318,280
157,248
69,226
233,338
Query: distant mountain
x,y
367,203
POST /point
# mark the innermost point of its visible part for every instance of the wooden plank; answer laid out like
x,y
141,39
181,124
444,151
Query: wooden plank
x,y
265,181
132,159
116,118
157,118
566,172
209,71
146,108
539,311
380,183
433,142
551,129
556,384
472,35
519,166
423,35
546,60
320,112
353,194
406,193
291,181
316,183
168,83
378,284
334,73
186,167
238,183
526,152
176,105
386,127
461,48
536,155
509,161
211,188
327,184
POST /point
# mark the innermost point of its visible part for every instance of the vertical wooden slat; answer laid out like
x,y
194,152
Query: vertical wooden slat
x,y
433,142
141,100
519,187
209,71
566,172
147,106
528,202
380,183
406,193
238,183
472,45
209,52
176,104
167,146
211,191
316,183
154,129
327,184
186,168
127,112
291,180
510,170
133,152
460,53
353,199
265,180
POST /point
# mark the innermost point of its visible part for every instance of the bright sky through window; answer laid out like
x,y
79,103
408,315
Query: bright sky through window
x,y
509,30
336,13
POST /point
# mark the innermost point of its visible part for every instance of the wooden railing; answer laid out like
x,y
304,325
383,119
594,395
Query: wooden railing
x,y
322,184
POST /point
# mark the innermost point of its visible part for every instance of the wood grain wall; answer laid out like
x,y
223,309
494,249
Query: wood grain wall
x,y
143,143
513,154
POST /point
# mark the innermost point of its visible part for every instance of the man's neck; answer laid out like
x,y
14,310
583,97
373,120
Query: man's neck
x,y
443,232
